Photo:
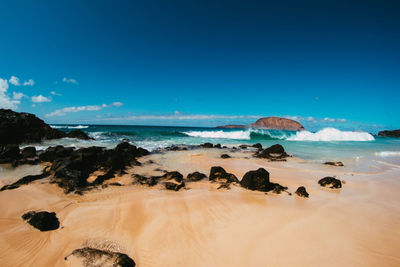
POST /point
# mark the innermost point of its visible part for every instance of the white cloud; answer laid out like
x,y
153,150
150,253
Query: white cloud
x,y
40,99
69,80
14,81
18,96
54,93
29,82
180,116
5,100
64,111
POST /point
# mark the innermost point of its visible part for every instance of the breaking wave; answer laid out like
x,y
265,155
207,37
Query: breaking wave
x,y
331,134
324,135
387,153
69,126
241,135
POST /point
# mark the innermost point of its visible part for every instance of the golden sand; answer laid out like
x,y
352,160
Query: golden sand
x,y
358,225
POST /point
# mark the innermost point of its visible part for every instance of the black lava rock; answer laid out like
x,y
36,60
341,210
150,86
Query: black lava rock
x,y
195,176
302,192
43,220
330,182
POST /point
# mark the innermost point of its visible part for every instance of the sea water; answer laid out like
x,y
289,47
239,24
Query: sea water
x,y
328,144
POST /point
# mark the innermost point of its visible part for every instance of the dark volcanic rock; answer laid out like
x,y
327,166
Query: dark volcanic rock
x,y
259,180
330,182
174,186
43,220
173,176
218,174
207,145
28,152
334,163
26,180
9,153
217,146
225,156
150,181
395,133
243,146
97,257
275,152
256,180
79,135
302,192
195,176
55,152
72,168
257,145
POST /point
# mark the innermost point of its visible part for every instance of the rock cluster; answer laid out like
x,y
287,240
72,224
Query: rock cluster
x,y
98,257
394,133
13,154
19,127
259,180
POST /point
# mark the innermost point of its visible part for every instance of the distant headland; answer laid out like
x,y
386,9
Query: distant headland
x,y
277,123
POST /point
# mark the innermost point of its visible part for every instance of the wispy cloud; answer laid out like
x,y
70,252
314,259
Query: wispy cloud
x,y
180,116
40,99
14,81
70,80
29,82
5,100
315,120
64,111
18,96
54,93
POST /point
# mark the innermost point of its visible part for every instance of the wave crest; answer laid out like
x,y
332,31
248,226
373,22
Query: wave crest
x,y
69,126
331,134
241,135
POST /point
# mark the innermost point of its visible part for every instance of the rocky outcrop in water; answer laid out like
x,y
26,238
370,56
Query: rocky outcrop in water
x,y
394,133
98,257
12,154
276,123
19,127
42,220
330,182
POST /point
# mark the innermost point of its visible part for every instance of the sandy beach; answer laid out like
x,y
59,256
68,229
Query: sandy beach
x,y
357,225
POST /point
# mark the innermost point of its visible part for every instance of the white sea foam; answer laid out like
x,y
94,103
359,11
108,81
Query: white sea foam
x,y
241,135
387,153
331,134
69,126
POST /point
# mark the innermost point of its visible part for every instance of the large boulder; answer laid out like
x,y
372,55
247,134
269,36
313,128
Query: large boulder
x,y
79,134
20,127
394,133
218,174
259,180
43,220
9,153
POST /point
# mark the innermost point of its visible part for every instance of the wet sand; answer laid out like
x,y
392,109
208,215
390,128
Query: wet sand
x,y
358,225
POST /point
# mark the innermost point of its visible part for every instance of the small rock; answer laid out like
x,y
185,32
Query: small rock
x,y
302,192
225,156
330,182
195,176
334,163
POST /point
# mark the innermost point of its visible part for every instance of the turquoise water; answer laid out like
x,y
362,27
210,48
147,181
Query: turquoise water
x,y
327,144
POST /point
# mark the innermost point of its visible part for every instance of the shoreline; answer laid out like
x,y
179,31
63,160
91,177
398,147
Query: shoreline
x,y
358,223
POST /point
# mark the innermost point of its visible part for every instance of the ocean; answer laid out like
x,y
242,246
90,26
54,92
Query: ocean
x,y
328,144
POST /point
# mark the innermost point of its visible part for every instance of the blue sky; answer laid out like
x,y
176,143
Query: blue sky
x,y
325,63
